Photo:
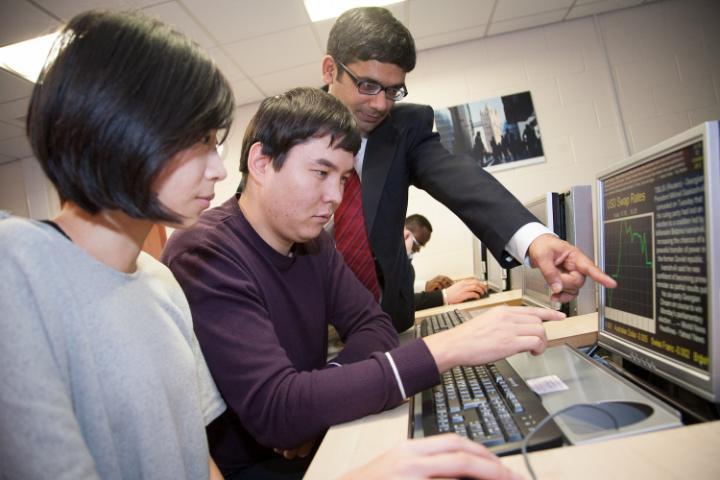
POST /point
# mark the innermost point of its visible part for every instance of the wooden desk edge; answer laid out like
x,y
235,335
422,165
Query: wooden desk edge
x,y
511,297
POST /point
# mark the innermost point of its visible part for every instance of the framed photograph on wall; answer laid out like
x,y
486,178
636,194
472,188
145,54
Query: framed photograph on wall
x,y
499,133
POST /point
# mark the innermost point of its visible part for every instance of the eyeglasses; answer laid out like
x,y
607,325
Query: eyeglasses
x,y
370,87
416,245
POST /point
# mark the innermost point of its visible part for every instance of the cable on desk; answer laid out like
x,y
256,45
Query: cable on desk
x,y
545,420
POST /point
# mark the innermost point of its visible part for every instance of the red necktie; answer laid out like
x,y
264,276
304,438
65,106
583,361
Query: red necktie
x,y
351,238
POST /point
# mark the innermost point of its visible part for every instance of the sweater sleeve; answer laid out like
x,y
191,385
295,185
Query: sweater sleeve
x,y
362,325
280,405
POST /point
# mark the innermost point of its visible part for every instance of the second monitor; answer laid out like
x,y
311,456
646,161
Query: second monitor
x,y
569,216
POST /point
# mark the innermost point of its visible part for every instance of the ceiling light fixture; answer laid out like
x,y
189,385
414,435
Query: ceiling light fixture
x,y
323,9
27,58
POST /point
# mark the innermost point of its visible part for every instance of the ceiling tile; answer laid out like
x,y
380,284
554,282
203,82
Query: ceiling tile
x,y
14,112
600,7
9,131
439,40
21,20
276,51
66,9
509,9
246,92
16,147
279,82
13,87
430,17
231,20
530,21
173,14
6,159
322,30
227,66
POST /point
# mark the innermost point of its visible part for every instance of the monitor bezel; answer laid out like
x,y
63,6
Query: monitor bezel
x,y
705,384
534,297
491,260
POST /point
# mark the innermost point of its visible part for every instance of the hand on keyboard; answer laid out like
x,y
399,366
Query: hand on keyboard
x,y
498,333
438,456
463,290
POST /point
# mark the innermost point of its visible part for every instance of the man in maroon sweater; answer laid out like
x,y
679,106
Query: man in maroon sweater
x,y
264,281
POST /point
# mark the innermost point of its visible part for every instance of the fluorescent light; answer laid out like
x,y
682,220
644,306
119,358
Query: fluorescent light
x,y
27,58
324,9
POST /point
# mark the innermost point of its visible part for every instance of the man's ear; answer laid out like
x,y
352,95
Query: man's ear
x,y
258,163
328,70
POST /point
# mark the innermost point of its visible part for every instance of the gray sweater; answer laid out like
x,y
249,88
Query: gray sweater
x,y
102,376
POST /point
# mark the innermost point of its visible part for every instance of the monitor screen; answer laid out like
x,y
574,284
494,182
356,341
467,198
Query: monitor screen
x,y
656,218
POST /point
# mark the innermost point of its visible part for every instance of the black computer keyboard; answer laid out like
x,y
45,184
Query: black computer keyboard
x,y
490,404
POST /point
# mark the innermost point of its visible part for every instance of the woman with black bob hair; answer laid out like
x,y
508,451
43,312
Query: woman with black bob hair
x,y
102,374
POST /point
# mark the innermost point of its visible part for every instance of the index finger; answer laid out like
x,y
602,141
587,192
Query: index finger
x,y
588,267
545,314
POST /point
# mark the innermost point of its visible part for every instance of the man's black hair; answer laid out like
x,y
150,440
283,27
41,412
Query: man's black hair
x,y
294,117
371,33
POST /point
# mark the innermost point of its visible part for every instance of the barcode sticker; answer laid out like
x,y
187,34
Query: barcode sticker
x,y
547,384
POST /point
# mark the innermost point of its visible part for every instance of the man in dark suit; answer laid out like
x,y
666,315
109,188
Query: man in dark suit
x,y
369,53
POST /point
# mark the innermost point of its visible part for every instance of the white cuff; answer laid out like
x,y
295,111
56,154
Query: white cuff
x,y
521,240
397,375
444,294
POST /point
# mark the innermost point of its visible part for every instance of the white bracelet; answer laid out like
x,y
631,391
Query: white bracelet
x,y
444,294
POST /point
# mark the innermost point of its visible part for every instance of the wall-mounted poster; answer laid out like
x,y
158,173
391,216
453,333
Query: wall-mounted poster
x,y
499,133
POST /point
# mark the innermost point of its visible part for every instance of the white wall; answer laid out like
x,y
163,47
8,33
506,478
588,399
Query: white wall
x,y
603,88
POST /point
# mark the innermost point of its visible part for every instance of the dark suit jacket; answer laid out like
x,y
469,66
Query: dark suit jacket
x,y
425,300
404,151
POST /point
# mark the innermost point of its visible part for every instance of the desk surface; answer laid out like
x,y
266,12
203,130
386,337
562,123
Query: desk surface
x,y
353,444
511,297
680,453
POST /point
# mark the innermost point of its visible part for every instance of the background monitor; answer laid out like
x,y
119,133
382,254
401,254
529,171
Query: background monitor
x,y
569,216
479,260
658,236
534,287
496,275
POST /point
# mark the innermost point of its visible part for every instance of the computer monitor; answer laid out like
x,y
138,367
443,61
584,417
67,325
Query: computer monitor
x,y
569,216
496,275
534,287
479,260
659,237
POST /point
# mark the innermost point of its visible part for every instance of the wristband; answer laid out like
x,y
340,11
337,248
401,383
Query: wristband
x,y
444,294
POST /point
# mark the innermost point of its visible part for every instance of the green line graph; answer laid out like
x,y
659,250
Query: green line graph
x,y
629,260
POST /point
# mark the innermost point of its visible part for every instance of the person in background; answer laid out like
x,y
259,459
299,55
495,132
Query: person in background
x,y
264,281
440,290
368,55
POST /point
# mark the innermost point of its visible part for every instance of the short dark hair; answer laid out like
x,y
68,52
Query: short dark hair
x,y
123,95
371,33
297,115
416,220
